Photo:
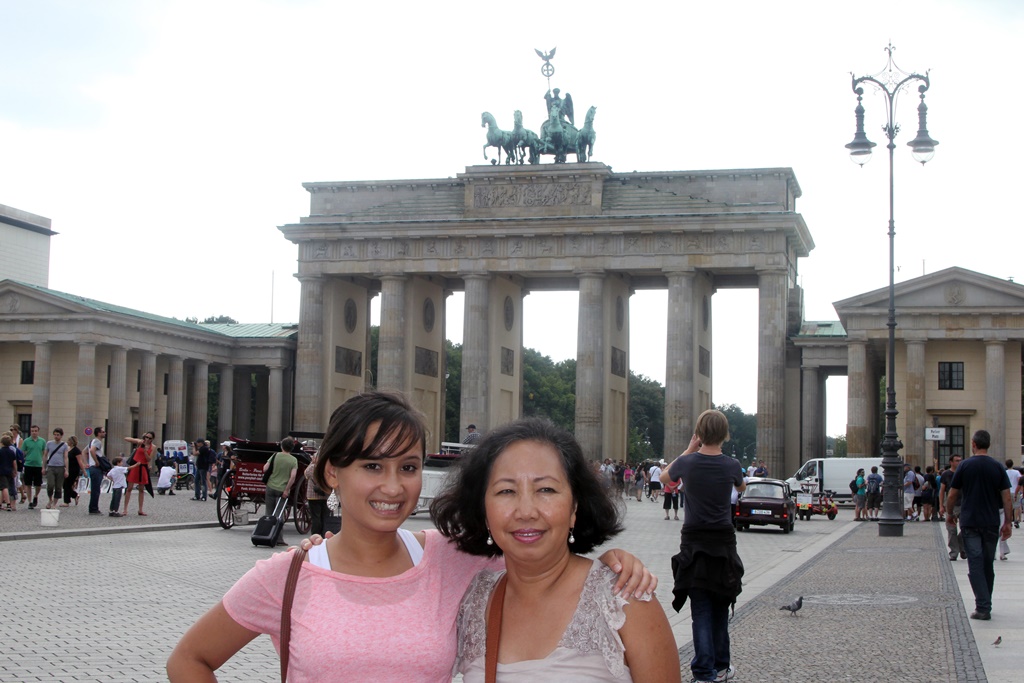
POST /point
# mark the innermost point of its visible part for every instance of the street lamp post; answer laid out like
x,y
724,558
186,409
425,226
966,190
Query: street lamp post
x,y
890,82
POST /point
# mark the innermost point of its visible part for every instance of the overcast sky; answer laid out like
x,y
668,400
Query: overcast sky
x,y
168,140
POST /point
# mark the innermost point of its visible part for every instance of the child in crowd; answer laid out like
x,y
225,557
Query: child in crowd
x,y
118,483
165,484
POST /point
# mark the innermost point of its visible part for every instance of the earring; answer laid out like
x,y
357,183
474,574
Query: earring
x,y
490,541
571,538
332,503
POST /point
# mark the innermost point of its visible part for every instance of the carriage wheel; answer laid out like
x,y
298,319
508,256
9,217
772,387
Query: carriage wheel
x,y
226,501
303,517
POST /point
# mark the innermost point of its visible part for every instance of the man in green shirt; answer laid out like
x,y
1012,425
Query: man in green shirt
x,y
33,448
282,477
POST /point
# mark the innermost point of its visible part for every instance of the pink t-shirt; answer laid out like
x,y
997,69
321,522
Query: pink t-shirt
x,y
344,628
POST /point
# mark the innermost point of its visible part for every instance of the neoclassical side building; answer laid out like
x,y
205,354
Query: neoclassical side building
x,y
959,363
71,362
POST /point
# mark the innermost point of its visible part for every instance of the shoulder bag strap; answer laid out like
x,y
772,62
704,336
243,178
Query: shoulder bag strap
x,y
286,608
494,631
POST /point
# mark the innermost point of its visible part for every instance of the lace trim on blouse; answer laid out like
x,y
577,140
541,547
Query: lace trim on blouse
x,y
594,626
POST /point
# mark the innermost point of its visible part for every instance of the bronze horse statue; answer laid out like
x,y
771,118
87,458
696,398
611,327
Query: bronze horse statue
x,y
524,139
585,139
496,137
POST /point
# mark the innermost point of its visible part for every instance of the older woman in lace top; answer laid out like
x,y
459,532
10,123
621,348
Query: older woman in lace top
x,y
527,493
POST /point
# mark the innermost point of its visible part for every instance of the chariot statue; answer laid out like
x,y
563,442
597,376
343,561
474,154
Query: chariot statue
x,y
558,137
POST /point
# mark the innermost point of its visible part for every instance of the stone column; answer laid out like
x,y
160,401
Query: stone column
x,y
41,387
679,363
810,415
147,394
176,400
120,419
995,396
476,368
773,292
858,403
914,406
225,402
242,404
391,344
86,394
275,401
590,364
309,358
199,400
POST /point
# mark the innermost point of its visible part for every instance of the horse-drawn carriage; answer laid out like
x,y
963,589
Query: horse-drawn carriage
x,y
241,491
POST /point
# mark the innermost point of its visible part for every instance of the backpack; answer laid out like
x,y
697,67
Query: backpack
x,y
873,486
853,486
917,483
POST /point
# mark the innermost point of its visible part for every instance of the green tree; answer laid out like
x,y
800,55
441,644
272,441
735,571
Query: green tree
x,y
742,442
549,388
838,446
646,418
220,319
452,391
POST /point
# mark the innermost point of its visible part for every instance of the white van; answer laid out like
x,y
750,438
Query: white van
x,y
831,474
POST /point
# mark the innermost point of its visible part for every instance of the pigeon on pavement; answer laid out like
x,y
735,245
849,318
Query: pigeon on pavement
x,y
999,639
794,606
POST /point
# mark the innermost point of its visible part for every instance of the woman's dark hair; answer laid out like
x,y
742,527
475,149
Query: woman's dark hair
x,y
459,512
345,439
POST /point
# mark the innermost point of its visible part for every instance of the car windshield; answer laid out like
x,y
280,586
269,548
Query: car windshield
x,y
763,491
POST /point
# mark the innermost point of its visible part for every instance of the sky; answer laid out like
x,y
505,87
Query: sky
x,y
168,140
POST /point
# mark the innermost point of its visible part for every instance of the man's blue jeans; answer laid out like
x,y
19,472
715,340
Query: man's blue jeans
x,y
980,545
710,616
95,480
202,476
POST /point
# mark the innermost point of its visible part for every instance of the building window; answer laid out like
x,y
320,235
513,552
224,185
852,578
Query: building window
x,y
138,381
25,423
951,375
28,372
166,382
953,445
108,377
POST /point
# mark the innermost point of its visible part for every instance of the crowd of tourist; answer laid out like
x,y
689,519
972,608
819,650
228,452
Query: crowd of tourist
x,y
69,469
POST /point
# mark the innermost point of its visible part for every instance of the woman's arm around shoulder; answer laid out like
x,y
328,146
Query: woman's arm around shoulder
x,y
204,648
651,651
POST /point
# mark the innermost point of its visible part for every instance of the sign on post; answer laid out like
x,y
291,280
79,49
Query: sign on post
x,y
934,433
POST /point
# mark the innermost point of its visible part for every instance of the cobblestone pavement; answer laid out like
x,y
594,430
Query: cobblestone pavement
x,y
160,510
129,597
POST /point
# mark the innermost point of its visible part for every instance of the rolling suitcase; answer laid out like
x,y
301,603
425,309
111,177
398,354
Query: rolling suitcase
x,y
268,528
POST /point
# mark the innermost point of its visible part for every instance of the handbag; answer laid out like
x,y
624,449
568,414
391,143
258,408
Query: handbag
x,y
494,630
104,464
270,469
286,608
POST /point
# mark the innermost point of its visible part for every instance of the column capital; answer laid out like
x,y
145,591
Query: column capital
x,y
475,275
590,273
392,277
999,341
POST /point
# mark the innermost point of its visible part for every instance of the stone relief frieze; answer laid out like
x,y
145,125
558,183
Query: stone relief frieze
x,y
956,295
633,244
12,303
548,194
319,250
694,243
574,245
755,243
376,250
664,243
487,247
723,243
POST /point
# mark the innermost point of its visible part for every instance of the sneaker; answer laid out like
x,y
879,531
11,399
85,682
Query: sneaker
x,y
1002,556
981,616
725,675
115,514
952,558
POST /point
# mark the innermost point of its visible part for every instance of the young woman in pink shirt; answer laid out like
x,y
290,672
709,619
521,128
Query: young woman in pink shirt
x,y
375,602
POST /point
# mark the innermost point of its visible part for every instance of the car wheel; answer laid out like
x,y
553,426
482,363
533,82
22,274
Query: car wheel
x,y
785,528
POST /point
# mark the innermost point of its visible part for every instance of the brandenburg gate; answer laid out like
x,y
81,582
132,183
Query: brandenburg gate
x,y
499,232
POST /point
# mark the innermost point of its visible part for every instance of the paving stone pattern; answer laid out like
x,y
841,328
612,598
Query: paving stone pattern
x,y
111,607
875,609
